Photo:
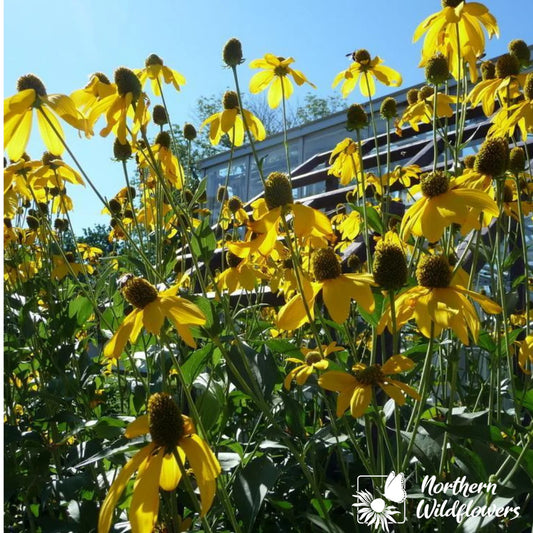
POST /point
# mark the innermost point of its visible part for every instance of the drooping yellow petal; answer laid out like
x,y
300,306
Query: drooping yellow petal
x,y
20,134
144,506
153,317
260,80
118,486
361,398
275,94
205,466
308,220
170,471
394,392
51,131
115,346
303,374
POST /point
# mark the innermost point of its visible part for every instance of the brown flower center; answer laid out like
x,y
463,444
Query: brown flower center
x,y
230,100
102,78
356,117
234,204
31,81
153,59
390,266
49,158
371,375
232,53
361,56
312,357
139,292
434,272
450,3
163,139
233,260
166,421
492,157
278,190
434,183
325,264
127,82
507,65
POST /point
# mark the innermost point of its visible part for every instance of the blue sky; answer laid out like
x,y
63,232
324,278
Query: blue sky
x,y
63,42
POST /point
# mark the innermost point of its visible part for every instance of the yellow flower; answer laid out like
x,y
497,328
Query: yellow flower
x,y
355,391
160,464
168,163
442,203
18,115
233,211
437,300
505,86
363,70
338,290
404,175
156,71
239,274
521,115
313,361
268,211
277,72
422,110
88,252
345,162
63,268
99,87
525,354
230,122
350,226
128,100
151,308
54,171
455,31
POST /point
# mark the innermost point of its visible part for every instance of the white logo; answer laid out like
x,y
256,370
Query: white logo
x,y
378,512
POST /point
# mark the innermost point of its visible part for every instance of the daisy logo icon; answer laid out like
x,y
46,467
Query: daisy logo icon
x,y
381,501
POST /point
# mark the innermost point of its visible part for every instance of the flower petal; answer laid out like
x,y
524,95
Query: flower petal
x,y
144,506
205,466
140,426
170,471
118,486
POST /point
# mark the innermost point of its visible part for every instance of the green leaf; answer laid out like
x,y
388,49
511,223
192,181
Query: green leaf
x,y
199,190
81,308
470,463
130,446
329,527
525,399
210,399
260,364
316,504
203,241
196,362
251,487
283,347
294,415
106,427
